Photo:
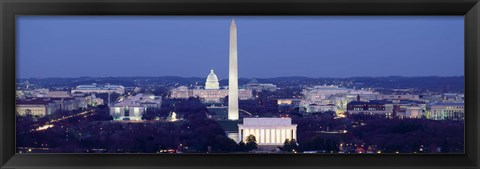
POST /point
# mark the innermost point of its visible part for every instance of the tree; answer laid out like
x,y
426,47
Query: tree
x,y
102,113
251,143
224,144
241,146
104,97
318,143
289,145
151,114
251,138
191,109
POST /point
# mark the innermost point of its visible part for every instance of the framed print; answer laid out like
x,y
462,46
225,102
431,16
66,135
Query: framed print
x,y
239,84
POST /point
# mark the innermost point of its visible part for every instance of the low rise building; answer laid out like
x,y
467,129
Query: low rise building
x,y
35,106
373,107
414,111
289,102
407,108
19,94
36,93
453,97
208,95
400,97
133,107
312,108
92,100
95,88
256,86
319,93
69,103
327,95
444,111
58,94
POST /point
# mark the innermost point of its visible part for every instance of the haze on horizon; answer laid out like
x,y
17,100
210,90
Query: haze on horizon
x,y
268,46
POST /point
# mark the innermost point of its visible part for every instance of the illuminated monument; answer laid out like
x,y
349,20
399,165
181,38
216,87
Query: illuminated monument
x,y
212,93
212,82
269,132
233,75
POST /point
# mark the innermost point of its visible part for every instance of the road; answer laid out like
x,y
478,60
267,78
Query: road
x,y
51,123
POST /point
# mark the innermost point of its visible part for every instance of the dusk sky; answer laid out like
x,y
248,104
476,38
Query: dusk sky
x,y
268,46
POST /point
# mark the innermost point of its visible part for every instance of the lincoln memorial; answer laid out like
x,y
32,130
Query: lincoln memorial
x,y
268,131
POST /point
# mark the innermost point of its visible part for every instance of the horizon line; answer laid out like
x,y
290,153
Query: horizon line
x,y
253,77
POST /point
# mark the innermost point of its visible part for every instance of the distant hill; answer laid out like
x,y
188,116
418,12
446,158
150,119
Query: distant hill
x,y
454,83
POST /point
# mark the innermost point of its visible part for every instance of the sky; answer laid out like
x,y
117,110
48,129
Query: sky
x,y
268,46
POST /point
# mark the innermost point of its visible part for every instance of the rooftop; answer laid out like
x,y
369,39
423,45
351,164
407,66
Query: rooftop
x,y
447,104
95,86
264,121
38,101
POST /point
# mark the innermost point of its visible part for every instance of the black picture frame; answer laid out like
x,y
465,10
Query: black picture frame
x,y
9,9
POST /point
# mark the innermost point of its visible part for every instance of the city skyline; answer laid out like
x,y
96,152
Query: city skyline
x,y
243,78
286,115
261,38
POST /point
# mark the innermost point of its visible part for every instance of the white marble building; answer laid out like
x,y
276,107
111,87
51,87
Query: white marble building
x,y
212,93
133,107
268,131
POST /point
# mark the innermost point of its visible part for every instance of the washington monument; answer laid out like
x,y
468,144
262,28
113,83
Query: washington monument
x,y
233,75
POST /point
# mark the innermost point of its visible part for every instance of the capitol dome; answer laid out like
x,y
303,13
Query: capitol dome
x,y
212,81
